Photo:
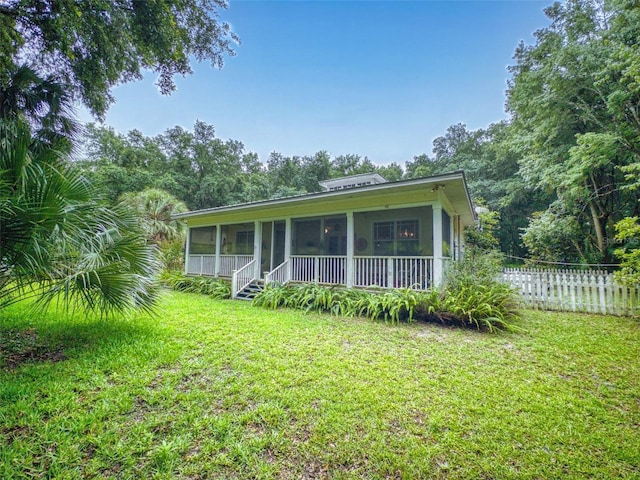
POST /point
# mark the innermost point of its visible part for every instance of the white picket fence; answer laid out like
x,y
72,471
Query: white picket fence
x,y
589,291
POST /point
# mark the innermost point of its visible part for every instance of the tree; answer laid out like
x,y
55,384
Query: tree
x,y
42,102
574,101
628,235
392,172
315,169
350,164
93,45
155,209
421,166
205,171
489,159
57,240
285,175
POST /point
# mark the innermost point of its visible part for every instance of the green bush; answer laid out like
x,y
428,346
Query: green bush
x,y
628,233
484,307
172,255
311,297
478,267
474,294
213,287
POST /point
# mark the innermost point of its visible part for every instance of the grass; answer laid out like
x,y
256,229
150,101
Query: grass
x,y
222,389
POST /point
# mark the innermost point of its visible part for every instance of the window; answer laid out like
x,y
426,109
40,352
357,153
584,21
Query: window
x,y
202,240
244,243
399,237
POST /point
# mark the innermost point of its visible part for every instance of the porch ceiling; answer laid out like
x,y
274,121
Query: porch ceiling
x,y
382,196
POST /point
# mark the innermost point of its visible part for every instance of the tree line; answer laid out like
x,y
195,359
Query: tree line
x,y
204,171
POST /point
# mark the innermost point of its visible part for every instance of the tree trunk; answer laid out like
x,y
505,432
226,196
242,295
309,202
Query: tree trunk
x,y
597,225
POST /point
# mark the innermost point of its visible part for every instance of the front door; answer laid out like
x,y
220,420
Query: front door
x,y
272,254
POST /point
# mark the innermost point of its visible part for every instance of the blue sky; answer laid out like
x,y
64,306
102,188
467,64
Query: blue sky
x,y
379,79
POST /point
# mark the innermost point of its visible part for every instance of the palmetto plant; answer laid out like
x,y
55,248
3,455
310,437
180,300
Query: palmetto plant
x,y
156,209
58,242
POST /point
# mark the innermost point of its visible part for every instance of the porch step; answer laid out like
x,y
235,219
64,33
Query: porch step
x,y
251,290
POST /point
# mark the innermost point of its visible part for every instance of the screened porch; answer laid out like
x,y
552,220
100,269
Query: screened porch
x,y
390,248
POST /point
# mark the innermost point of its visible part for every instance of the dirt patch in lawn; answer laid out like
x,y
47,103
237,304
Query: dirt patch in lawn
x,y
19,347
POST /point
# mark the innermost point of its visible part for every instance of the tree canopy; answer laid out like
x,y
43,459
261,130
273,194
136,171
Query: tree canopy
x,y
93,45
574,99
205,171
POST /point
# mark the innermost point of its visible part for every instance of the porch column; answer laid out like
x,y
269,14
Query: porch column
x,y
287,245
186,252
437,244
456,237
257,248
350,240
216,268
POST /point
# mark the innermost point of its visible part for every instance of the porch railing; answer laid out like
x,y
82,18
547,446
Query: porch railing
x,y
384,272
206,264
201,264
240,279
280,274
393,272
369,271
329,269
229,263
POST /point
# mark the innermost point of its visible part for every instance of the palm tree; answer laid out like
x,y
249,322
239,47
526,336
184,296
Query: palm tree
x,y
58,242
156,209
43,102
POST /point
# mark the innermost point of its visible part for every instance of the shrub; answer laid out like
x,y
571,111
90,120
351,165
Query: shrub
x,y
213,287
484,307
475,295
628,232
478,267
172,255
311,297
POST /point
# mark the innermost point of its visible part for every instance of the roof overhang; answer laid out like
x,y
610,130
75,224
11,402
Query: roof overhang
x,y
450,188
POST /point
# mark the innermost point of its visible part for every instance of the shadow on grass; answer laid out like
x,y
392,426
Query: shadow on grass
x,y
31,337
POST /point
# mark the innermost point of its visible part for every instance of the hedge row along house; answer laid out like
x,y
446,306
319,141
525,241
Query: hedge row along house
x,y
361,231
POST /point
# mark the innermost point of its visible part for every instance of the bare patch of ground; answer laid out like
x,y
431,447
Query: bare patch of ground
x,y
19,347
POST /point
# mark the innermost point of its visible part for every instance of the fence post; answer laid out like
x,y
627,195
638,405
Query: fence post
x,y
603,299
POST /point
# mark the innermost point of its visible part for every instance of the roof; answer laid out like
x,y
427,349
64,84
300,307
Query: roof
x,y
352,181
456,180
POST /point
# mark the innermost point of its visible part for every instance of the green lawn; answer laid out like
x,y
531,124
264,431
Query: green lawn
x,y
221,389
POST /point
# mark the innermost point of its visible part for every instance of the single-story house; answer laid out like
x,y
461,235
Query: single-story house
x,y
361,231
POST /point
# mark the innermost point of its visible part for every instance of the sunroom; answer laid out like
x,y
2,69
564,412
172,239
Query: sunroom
x,y
360,232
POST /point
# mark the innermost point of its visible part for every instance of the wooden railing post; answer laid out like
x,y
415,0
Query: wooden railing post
x,y
234,283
